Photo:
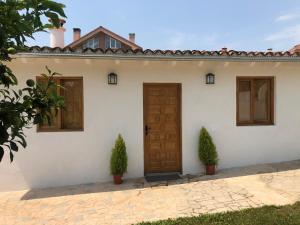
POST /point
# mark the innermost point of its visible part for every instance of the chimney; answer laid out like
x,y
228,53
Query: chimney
x,y
295,49
224,49
132,37
57,35
76,34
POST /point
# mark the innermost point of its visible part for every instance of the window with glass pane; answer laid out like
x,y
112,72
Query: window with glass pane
x,y
255,98
71,117
112,43
261,100
91,43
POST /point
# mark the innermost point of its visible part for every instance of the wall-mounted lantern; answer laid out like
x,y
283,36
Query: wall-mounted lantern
x,y
210,78
112,78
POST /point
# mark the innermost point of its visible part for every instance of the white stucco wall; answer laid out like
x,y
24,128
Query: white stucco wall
x,y
64,158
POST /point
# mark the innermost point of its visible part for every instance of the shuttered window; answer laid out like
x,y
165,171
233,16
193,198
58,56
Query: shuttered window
x,y
70,118
255,100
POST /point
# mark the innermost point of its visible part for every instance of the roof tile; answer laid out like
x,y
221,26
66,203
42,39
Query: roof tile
x,y
159,52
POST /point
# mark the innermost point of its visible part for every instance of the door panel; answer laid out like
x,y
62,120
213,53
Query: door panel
x,y
162,124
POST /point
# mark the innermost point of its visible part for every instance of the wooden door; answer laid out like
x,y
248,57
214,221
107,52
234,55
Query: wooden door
x,y
162,128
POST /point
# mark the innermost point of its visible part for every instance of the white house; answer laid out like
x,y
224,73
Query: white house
x,y
159,103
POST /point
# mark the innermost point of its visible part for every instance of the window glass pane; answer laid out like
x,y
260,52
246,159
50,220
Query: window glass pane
x,y
92,43
244,98
112,43
107,42
261,99
86,45
73,112
96,43
118,44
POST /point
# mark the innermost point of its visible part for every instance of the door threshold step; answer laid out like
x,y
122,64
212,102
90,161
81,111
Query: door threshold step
x,y
162,177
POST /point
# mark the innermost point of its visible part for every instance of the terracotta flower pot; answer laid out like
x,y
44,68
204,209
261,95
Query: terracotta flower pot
x,y
118,179
210,169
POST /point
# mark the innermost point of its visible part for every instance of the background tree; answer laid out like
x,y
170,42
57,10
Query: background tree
x,y
19,109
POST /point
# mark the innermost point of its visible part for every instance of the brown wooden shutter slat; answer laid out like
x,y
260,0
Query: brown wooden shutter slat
x,y
72,115
56,118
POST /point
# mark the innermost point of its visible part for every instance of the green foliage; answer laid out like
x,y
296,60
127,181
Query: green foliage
x,y
33,104
118,160
266,215
207,149
20,19
19,109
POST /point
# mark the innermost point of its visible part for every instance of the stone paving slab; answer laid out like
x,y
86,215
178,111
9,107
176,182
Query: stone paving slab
x,y
136,200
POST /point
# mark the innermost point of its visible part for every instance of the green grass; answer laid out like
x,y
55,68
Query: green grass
x,y
267,215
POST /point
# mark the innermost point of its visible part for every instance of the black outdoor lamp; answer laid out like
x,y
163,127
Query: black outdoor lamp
x,y
112,78
210,78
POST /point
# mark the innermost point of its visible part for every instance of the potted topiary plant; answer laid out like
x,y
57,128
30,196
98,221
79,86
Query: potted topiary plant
x,y
207,152
118,160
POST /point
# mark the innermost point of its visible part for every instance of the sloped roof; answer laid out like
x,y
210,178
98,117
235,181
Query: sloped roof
x,y
107,32
296,48
230,55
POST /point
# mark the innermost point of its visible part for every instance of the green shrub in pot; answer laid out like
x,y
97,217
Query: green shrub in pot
x,y
118,160
207,151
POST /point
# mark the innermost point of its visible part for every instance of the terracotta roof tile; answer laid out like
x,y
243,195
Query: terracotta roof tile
x,y
163,53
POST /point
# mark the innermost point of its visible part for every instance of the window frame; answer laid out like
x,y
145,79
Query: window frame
x,y
90,43
271,106
40,129
109,39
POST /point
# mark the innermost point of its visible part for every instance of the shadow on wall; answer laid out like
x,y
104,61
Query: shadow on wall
x,y
142,183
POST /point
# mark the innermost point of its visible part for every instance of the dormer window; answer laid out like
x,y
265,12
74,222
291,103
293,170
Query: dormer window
x,y
91,43
111,42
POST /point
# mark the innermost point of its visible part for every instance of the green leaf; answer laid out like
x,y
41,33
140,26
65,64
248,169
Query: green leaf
x,y
11,50
3,135
55,7
30,83
1,153
16,94
11,155
14,146
53,17
23,141
49,71
48,26
56,74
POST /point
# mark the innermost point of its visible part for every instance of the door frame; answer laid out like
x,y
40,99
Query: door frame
x,y
179,100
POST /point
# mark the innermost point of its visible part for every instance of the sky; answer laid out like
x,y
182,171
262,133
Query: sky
x,y
189,24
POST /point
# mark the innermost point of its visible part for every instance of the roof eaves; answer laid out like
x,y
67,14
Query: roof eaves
x,y
161,54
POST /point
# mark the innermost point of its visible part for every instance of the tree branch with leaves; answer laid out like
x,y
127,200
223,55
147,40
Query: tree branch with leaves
x,y
34,104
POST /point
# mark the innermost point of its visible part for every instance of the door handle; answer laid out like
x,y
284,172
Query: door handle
x,y
147,129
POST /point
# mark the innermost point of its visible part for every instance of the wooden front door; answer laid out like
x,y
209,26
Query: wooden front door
x,y
162,128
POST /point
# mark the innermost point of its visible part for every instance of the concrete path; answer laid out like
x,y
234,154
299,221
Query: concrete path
x,y
137,200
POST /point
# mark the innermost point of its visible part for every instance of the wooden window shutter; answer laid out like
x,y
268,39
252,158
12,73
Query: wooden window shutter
x,y
72,114
56,117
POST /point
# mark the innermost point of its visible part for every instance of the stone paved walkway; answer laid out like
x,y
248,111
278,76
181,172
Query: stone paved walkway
x,y
136,200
